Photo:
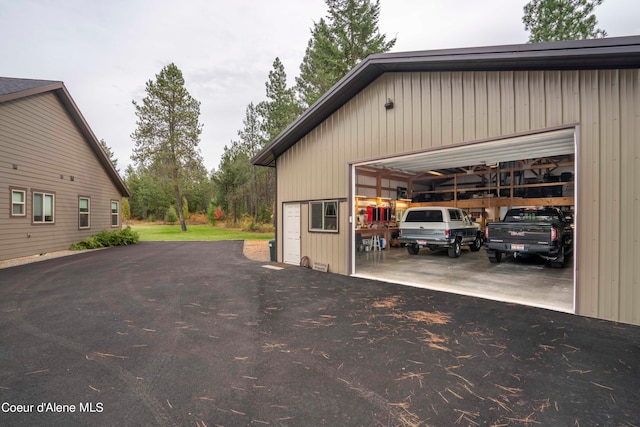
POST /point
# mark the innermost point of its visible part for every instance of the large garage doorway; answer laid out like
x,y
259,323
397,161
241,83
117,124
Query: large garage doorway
x,y
485,179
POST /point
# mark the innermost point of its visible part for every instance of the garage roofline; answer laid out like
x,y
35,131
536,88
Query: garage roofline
x,y
607,53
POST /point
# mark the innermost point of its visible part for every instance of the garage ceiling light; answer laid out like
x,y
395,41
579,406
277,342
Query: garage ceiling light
x,y
547,144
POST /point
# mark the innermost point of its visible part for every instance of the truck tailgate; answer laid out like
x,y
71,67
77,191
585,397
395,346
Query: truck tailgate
x,y
521,233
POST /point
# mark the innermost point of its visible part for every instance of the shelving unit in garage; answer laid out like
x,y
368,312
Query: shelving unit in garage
x,y
486,191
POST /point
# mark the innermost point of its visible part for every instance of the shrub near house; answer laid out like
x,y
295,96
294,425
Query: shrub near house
x,y
123,237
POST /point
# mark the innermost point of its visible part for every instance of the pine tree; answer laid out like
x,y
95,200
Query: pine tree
x,y
110,154
281,108
168,133
553,20
348,35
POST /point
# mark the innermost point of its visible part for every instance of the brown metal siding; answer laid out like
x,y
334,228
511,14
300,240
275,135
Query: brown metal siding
x,y
38,136
443,108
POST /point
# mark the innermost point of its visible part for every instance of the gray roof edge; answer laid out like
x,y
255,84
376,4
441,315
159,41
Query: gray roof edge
x,y
377,64
16,88
565,45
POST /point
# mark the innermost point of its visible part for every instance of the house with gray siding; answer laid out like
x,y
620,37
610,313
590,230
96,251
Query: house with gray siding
x,y
57,185
477,128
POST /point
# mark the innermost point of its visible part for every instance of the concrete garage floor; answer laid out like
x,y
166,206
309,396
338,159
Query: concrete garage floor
x,y
523,281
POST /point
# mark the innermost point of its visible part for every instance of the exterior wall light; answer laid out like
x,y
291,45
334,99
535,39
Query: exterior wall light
x,y
389,104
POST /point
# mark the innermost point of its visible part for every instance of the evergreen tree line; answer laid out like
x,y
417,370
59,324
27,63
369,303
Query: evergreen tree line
x,y
169,173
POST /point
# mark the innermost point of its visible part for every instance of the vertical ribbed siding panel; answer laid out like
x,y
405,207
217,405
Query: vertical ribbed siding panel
x,y
436,111
590,241
507,103
363,144
481,98
553,98
468,91
367,123
457,105
537,102
629,196
570,97
416,112
522,101
341,151
609,269
382,97
446,109
494,113
330,157
427,109
405,128
398,113
390,144
311,152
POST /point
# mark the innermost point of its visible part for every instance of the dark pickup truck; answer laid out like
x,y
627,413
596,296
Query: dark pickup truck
x,y
544,232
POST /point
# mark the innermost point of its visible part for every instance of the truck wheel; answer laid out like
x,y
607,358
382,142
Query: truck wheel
x,y
495,257
558,262
454,250
476,245
413,249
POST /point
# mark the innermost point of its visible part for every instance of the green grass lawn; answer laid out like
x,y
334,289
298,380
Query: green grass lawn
x,y
195,232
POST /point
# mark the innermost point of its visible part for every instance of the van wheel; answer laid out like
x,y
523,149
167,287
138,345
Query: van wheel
x,y
476,245
455,249
413,249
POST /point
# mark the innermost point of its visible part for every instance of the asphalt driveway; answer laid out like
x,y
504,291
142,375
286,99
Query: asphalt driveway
x,y
193,333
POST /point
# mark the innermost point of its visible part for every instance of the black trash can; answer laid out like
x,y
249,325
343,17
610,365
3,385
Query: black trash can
x,y
272,250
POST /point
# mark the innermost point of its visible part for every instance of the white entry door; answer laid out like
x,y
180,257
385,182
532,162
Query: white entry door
x,y
291,232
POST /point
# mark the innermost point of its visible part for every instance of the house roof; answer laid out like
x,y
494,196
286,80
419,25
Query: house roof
x,y
607,53
12,88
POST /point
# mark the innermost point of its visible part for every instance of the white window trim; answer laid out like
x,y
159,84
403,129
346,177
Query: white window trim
x,y
327,227
116,214
23,204
44,195
88,213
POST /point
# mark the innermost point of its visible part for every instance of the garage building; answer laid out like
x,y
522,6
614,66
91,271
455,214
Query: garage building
x,y
482,129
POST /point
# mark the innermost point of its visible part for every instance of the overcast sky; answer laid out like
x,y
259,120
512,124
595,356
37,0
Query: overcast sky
x,y
105,51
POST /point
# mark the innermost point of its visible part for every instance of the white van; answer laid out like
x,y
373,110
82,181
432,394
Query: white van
x,y
437,227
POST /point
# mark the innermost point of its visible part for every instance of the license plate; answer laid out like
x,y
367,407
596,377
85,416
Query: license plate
x,y
517,247
421,242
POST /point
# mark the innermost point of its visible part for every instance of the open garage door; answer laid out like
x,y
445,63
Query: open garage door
x,y
484,179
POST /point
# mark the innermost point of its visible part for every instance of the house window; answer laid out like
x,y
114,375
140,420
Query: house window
x,y
84,211
43,208
115,213
18,202
323,216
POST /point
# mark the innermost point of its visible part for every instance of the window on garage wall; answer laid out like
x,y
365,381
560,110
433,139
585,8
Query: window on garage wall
x,y
323,216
